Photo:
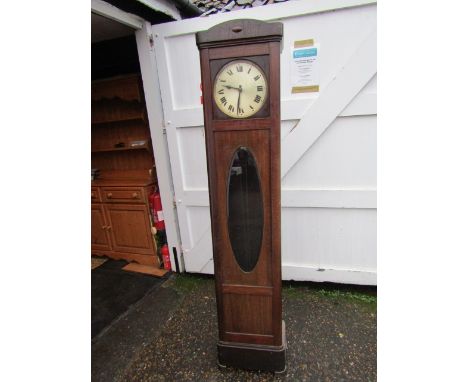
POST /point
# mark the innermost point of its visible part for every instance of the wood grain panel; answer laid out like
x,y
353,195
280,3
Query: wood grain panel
x,y
255,339
130,228
95,195
248,314
123,194
237,51
99,236
247,289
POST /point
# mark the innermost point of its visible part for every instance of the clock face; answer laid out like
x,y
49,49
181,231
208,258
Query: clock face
x,y
240,89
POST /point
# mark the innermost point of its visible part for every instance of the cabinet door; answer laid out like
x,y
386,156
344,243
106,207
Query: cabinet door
x,y
99,231
130,228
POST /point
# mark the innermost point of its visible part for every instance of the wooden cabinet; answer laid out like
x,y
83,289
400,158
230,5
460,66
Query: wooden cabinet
x,y
95,196
121,225
100,240
121,150
130,228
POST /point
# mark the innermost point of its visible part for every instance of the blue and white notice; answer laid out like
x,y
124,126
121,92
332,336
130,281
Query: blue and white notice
x,y
304,69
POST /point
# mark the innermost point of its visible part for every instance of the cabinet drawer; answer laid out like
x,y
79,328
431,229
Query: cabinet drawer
x,y
95,196
122,194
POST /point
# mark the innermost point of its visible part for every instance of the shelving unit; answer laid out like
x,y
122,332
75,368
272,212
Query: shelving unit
x,y
118,117
120,223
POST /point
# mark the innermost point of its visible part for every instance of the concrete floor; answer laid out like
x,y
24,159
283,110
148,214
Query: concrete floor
x,y
171,334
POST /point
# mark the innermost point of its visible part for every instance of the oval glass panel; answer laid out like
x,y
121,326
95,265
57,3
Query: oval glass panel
x,y
245,209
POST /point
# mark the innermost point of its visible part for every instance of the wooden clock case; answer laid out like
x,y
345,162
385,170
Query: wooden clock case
x,y
251,330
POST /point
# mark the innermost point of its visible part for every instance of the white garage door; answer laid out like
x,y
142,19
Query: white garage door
x,y
328,140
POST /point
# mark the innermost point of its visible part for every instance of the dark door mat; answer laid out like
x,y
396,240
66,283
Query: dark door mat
x,y
113,351
114,291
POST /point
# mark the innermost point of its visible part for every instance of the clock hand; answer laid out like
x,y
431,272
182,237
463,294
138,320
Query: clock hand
x,y
238,99
232,87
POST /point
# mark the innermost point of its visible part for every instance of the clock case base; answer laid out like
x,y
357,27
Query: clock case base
x,y
253,357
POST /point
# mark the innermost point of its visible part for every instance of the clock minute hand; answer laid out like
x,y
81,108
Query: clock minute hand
x,y
238,99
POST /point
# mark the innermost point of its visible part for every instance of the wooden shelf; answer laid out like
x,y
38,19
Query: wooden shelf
x,y
140,177
125,148
117,120
126,88
118,116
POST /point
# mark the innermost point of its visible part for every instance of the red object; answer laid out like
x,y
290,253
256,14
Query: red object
x,y
156,210
166,257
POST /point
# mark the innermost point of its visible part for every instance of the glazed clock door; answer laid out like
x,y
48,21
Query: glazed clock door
x,y
243,192
245,209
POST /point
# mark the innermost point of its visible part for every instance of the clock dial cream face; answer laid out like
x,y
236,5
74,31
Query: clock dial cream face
x,y
240,89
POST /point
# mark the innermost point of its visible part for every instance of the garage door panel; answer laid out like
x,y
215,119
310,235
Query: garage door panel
x,y
191,143
184,71
344,156
332,236
328,141
199,223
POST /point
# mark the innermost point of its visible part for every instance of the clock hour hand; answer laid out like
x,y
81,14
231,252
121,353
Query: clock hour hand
x,y
231,87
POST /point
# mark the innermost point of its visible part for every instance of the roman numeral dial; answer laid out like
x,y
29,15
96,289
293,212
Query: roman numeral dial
x,y
240,89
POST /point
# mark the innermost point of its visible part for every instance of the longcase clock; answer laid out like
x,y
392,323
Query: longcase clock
x,y
240,63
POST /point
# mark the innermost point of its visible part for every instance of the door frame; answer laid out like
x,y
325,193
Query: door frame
x,y
156,120
153,102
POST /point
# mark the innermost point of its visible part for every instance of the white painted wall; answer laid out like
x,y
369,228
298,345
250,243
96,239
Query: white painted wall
x,y
328,159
